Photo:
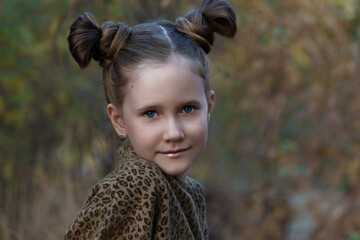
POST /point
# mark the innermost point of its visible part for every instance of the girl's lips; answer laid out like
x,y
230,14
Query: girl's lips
x,y
175,153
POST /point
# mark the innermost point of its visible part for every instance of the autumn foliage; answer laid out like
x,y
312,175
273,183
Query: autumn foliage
x,y
283,158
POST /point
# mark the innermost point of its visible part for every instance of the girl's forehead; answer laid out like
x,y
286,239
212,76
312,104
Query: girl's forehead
x,y
172,82
177,60
175,70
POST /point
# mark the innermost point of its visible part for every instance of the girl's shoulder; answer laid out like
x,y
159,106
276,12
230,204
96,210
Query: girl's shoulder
x,y
132,177
122,201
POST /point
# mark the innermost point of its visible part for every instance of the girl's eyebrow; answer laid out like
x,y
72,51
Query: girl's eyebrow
x,y
192,102
147,108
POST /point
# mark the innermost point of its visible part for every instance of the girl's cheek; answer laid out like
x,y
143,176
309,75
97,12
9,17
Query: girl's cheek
x,y
148,131
200,122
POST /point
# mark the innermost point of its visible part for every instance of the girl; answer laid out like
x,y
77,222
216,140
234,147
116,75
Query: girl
x,y
156,81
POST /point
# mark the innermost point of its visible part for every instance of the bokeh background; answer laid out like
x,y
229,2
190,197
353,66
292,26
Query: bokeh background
x,y
283,158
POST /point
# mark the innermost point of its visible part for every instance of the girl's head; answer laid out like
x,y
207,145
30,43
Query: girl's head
x,y
135,61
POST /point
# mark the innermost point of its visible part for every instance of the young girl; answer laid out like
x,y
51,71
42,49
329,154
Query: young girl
x,y
156,81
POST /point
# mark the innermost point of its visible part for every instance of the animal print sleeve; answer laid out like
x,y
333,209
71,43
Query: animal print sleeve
x,y
120,207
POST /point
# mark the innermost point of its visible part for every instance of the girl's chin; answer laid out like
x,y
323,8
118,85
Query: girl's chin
x,y
179,172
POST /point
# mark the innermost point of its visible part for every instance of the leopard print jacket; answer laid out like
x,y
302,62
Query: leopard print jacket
x,y
138,201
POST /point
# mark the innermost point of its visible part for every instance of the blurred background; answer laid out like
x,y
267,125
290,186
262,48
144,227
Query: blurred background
x,y
283,158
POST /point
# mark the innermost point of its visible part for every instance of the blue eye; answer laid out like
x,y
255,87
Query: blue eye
x,y
188,109
150,114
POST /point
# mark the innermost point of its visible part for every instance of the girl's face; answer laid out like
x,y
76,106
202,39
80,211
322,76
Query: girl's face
x,y
165,113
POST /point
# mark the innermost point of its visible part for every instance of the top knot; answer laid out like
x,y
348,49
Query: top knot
x,y
87,40
196,27
214,16
113,38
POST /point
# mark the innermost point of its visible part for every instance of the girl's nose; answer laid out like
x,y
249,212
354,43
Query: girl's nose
x,y
174,131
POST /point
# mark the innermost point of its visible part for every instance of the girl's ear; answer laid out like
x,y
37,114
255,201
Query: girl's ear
x,y
117,120
211,100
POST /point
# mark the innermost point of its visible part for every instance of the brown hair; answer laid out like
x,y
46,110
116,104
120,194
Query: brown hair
x,y
121,50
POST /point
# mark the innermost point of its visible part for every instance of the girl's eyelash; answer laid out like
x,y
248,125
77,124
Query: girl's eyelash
x,y
189,109
150,114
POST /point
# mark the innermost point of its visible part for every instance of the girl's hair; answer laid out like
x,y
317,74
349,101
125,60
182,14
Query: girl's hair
x,y
121,50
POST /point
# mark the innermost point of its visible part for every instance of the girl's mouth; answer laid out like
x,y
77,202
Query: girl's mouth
x,y
176,153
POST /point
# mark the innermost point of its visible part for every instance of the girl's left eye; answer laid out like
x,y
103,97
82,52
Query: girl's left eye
x,y
150,114
188,109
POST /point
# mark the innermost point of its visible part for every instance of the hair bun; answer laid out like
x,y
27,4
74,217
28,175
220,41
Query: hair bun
x,y
84,35
89,41
220,16
114,36
214,16
195,26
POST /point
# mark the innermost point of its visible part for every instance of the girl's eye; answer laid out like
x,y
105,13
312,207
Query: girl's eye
x,y
150,114
188,109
